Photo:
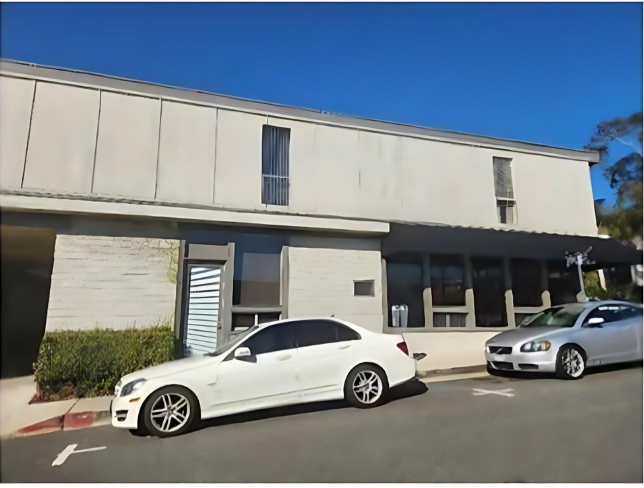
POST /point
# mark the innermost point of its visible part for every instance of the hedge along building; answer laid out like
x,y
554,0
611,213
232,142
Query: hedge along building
x,y
134,203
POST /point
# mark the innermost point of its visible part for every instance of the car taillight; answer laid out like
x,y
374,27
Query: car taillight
x,y
403,347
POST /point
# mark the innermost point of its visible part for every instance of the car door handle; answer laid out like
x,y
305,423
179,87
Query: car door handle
x,y
284,357
346,346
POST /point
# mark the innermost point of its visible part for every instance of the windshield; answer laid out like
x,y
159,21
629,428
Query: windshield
x,y
227,347
561,316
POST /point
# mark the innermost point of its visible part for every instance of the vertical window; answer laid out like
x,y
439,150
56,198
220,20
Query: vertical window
x,y
526,283
275,165
506,205
257,280
448,280
405,287
563,284
489,293
449,319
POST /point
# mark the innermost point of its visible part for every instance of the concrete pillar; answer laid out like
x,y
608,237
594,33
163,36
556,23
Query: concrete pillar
x,y
427,291
385,300
602,277
545,294
509,297
470,320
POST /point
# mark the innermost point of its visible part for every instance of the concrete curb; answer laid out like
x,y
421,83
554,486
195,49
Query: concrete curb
x,y
85,420
453,371
69,421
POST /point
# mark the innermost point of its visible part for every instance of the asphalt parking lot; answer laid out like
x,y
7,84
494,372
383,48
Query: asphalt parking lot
x,y
476,430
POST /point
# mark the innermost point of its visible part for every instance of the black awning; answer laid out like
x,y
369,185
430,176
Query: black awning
x,y
410,238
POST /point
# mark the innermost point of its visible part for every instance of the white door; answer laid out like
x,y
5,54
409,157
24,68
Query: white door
x,y
203,303
614,339
266,378
325,349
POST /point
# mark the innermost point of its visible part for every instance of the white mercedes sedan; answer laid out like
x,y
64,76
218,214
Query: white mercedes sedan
x,y
269,365
567,339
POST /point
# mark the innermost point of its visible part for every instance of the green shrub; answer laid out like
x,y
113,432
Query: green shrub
x,y
88,363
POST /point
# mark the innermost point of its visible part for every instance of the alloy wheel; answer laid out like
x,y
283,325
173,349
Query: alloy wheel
x,y
573,362
170,412
367,387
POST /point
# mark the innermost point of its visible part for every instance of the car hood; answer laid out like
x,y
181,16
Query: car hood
x,y
525,334
171,367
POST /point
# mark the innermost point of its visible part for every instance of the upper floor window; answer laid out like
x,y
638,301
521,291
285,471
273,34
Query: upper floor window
x,y
275,165
506,205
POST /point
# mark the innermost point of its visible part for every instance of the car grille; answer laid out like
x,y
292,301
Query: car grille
x,y
528,366
500,350
502,365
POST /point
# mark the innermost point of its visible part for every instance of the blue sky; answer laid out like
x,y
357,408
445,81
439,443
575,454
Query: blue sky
x,y
544,72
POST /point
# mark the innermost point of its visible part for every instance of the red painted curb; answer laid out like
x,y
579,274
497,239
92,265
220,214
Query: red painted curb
x,y
69,421
44,427
82,420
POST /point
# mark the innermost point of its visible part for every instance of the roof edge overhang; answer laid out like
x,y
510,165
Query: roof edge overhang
x,y
406,239
9,67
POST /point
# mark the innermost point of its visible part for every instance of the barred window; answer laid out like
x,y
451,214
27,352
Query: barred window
x,y
505,203
275,165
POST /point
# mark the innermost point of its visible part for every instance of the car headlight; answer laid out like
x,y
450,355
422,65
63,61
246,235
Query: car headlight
x,y
536,346
132,386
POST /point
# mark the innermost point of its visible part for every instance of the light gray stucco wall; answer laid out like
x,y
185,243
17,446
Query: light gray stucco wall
x,y
114,282
320,284
16,97
94,141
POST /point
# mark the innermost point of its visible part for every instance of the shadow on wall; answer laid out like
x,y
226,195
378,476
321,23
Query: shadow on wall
x,y
27,258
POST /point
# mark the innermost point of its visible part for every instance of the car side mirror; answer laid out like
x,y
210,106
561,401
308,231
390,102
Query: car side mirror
x,y
594,322
242,352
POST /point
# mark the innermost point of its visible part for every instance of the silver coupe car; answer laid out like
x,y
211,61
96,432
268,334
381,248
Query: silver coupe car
x,y
567,339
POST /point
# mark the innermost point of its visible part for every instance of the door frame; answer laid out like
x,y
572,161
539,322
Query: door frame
x,y
204,254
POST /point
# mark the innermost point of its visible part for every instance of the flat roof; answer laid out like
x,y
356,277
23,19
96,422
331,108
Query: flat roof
x,y
25,69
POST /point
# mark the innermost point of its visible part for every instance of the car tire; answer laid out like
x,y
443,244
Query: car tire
x,y
571,363
366,386
170,411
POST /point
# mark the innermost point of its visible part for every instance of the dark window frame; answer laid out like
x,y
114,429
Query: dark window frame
x,y
357,284
439,265
276,148
504,190
519,281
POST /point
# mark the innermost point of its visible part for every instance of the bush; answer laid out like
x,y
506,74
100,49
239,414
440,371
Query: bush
x,y
615,290
88,363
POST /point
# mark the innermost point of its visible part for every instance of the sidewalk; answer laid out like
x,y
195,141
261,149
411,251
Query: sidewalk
x,y
18,418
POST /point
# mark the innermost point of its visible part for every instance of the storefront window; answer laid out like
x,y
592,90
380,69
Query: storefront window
x,y
447,280
405,287
257,271
563,284
489,293
526,283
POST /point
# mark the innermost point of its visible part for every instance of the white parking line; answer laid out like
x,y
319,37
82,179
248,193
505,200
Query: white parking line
x,y
69,450
505,392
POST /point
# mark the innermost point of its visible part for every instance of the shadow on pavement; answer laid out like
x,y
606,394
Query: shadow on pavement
x,y
589,372
406,390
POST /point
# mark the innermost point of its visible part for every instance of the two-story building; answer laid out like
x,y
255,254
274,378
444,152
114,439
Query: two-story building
x,y
129,203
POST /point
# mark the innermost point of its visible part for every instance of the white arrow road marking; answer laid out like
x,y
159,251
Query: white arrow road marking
x,y
505,392
69,450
